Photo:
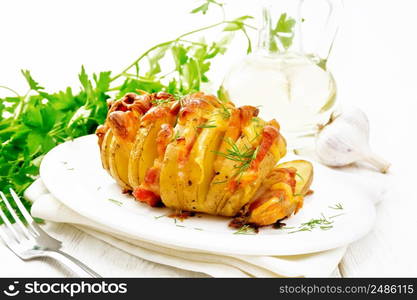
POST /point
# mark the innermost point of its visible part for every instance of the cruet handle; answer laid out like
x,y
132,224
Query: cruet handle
x,y
317,26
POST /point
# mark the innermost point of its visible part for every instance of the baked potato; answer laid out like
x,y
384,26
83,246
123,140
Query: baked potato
x,y
200,154
282,193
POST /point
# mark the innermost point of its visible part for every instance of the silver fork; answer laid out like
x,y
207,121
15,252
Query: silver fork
x,y
32,241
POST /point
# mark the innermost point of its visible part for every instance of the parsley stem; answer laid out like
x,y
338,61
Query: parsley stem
x,y
200,29
165,44
192,42
244,25
8,129
10,89
19,108
140,58
142,79
249,50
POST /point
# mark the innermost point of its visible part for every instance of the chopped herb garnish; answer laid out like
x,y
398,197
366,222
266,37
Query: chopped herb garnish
x,y
115,202
176,136
298,175
160,101
208,124
225,113
180,226
245,229
337,206
244,157
332,217
200,229
325,227
257,134
65,163
323,223
158,217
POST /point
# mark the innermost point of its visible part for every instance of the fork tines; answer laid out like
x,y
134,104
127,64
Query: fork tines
x,y
25,232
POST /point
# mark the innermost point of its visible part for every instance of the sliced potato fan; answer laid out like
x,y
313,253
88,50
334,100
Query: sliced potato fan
x,y
281,194
304,175
233,156
105,149
144,151
200,154
194,114
198,170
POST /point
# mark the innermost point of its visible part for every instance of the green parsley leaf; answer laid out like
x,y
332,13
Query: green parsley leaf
x,y
202,8
284,29
32,83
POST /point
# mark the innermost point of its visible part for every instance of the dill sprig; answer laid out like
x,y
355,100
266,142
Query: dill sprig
x,y
245,229
158,217
117,202
176,136
225,112
323,223
299,176
244,156
335,216
160,101
208,124
337,206
257,135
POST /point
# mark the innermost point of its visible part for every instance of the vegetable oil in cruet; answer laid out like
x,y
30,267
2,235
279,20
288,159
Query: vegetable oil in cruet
x,y
289,86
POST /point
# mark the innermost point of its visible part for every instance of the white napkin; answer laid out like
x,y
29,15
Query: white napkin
x,y
374,185
321,264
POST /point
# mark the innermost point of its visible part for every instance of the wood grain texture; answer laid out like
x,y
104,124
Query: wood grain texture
x,y
389,249
100,256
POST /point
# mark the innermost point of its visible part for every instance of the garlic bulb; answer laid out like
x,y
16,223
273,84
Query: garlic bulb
x,y
345,140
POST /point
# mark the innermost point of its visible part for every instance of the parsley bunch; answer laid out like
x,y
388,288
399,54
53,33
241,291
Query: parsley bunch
x,y
33,123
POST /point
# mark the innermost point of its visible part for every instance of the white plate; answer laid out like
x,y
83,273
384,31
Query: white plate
x,y
72,172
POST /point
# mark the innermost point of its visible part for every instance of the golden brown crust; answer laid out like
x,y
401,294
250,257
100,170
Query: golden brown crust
x,y
200,154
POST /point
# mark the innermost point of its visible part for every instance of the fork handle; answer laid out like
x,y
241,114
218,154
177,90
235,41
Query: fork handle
x,y
72,263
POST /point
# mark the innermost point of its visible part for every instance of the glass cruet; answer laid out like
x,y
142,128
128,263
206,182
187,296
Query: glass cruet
x,y
290,83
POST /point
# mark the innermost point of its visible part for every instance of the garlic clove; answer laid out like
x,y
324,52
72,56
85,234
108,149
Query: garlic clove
x,y
336,152
357,118
345,140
